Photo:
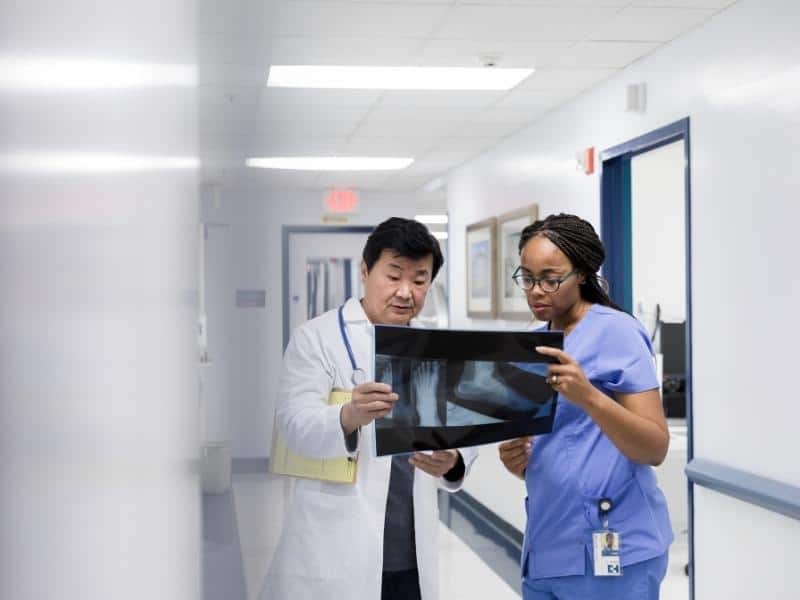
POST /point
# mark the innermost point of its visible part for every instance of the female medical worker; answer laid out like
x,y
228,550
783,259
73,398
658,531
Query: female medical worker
x,y
592,474
377,538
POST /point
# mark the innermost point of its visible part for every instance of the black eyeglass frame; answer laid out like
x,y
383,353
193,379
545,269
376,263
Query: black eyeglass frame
x,y
545,283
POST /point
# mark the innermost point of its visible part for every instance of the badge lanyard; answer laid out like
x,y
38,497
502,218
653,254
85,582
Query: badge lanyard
x,y
359,376
606,544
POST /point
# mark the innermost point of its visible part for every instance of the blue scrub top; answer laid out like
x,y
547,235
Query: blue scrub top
x,y
576,465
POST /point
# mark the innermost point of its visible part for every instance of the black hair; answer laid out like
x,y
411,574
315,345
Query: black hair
x,y
577,239
407,237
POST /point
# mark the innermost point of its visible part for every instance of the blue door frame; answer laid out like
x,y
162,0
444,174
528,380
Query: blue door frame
x,y
615,223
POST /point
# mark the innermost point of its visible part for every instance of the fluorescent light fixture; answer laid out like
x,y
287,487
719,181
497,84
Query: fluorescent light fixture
x,y
89,162
395,78
440,235
330,163
90,74
432,219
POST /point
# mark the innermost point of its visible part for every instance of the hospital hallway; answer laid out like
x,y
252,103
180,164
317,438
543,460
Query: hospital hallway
x,y
248,237
478,559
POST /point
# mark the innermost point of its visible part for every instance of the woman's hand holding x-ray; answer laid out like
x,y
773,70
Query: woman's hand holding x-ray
x,y
369,401
516,454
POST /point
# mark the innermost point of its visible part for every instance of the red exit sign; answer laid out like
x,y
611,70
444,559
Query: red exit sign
x,y
341,201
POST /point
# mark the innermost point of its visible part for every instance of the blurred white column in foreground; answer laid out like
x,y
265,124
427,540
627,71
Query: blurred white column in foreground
x,y
98,390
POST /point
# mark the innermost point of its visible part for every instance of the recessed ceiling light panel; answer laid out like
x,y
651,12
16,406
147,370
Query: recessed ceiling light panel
x,y
395,78
330,163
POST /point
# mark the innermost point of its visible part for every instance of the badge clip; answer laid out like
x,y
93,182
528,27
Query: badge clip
x,y
606,544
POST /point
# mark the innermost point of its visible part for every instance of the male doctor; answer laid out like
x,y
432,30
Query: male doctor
x,y
377,538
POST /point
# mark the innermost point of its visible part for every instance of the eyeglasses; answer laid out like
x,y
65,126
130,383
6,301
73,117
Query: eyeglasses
x,y
548,285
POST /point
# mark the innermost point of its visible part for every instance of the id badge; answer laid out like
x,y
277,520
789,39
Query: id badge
x,y
606,544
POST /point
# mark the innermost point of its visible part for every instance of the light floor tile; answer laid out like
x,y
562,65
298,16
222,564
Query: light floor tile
x,y
464,576
260,504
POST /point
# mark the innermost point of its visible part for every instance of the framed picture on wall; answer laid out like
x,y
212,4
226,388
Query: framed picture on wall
x,y
511,303
481,260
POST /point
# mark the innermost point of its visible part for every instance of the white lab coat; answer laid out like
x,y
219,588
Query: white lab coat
x,y
331,546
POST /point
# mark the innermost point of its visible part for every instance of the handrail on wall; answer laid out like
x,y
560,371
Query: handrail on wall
x,y
773,495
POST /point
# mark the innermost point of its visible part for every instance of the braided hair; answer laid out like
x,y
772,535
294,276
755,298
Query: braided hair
x,y
577,239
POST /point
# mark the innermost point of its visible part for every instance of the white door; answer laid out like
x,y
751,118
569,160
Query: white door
x,y
658,231
324,271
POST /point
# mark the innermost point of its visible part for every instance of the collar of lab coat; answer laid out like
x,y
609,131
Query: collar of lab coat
x,y
354,313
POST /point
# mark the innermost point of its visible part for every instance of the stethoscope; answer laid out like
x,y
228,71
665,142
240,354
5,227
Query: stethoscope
x,y
359,376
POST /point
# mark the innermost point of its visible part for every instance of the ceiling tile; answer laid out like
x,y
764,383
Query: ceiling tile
x,y
530,23
343,51
389,146
320,99
470,53
564,79
562,3
572,44
400,1
352,179
306,121
281,179
414,122
604,54
355,19
406,183
485,129
431,114
413,128
440,99
649,24
499,114
299,113
717,4
423,168
534,101
445,160
471,145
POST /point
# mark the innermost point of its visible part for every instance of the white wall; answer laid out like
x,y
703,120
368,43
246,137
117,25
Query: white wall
x,y
743,551
737,78
255,219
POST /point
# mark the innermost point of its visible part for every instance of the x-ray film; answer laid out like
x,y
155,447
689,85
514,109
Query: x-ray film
x,y
462,388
